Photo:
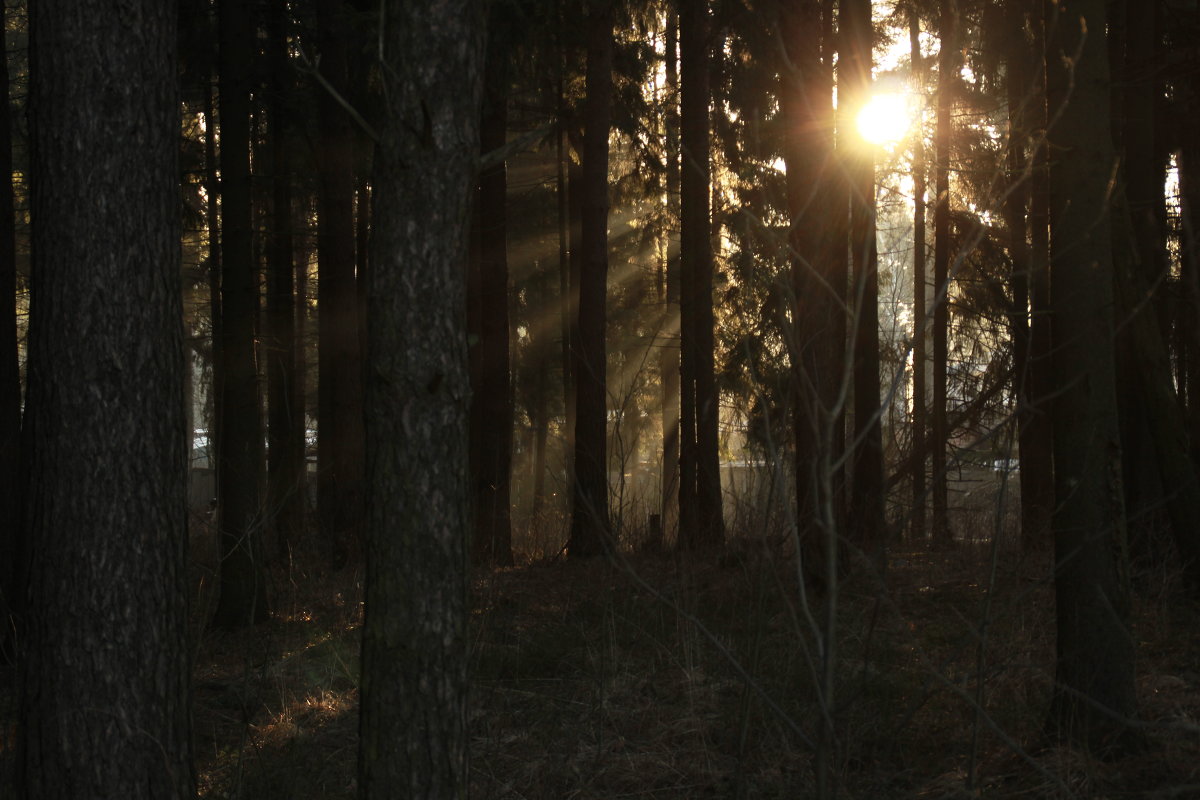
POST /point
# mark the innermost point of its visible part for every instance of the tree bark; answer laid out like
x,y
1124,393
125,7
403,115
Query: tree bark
x,y
867,517
948,66
669,332
589,513
339,405
240,468
701,524
285,465
1095,665
491,398
10,374
104,673
413,723
920,396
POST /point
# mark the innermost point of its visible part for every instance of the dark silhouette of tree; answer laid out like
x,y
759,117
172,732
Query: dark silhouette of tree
x,y
866,519
285,464
669,332
701,523
413,722
1094,697
243,598
589,510
104,664
491,396
10,377
339,396
920,416
948,69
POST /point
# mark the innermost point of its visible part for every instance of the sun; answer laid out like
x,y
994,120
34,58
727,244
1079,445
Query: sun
x,y
885,119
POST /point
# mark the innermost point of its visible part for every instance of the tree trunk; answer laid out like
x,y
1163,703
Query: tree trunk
x,y
104,702
701,525
589,514
491,398
867,517
1095,649
285,465
10,374
948,66
413,724
669,331
339,406
920,396
240,468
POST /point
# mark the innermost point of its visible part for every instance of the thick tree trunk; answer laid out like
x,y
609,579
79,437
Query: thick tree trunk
x,y
413,723
10,375
669,332
240,468
701,525
339,405
948,65
1095,665
589,513
285,465
104,703
867,517
491,397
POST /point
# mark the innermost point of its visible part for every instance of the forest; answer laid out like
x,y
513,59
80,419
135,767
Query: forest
x,y
599,398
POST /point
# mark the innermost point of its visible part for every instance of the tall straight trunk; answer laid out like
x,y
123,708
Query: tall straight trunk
x,y
589,511
1037,452
700,476
285,464
867,519
10,375
920,418
1095,649
212,221
104,670
240,468
566,292
491,398
539,417
807,150
669,332
1189,190
413,710
948,66
339,406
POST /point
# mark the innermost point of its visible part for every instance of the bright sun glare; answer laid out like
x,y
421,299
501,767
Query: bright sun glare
x,y
885,119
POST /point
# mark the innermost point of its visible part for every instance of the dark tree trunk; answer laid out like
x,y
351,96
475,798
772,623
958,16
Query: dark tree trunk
x,y
491,397
948,66
339,404
104,702
701,525
285,465
920,401
10,375
589,512
1037,451
867,518
805,104
1095,665
413,723
240,468
669,331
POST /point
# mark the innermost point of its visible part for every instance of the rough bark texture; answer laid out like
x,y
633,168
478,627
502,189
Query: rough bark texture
x,y
10,377
105,669
285,465
701,523
491,395
1095,649
867,520
669,333
339,401
948,65
413,724
589,511
240,452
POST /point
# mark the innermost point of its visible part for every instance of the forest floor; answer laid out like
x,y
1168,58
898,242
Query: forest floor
x,y
650,677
